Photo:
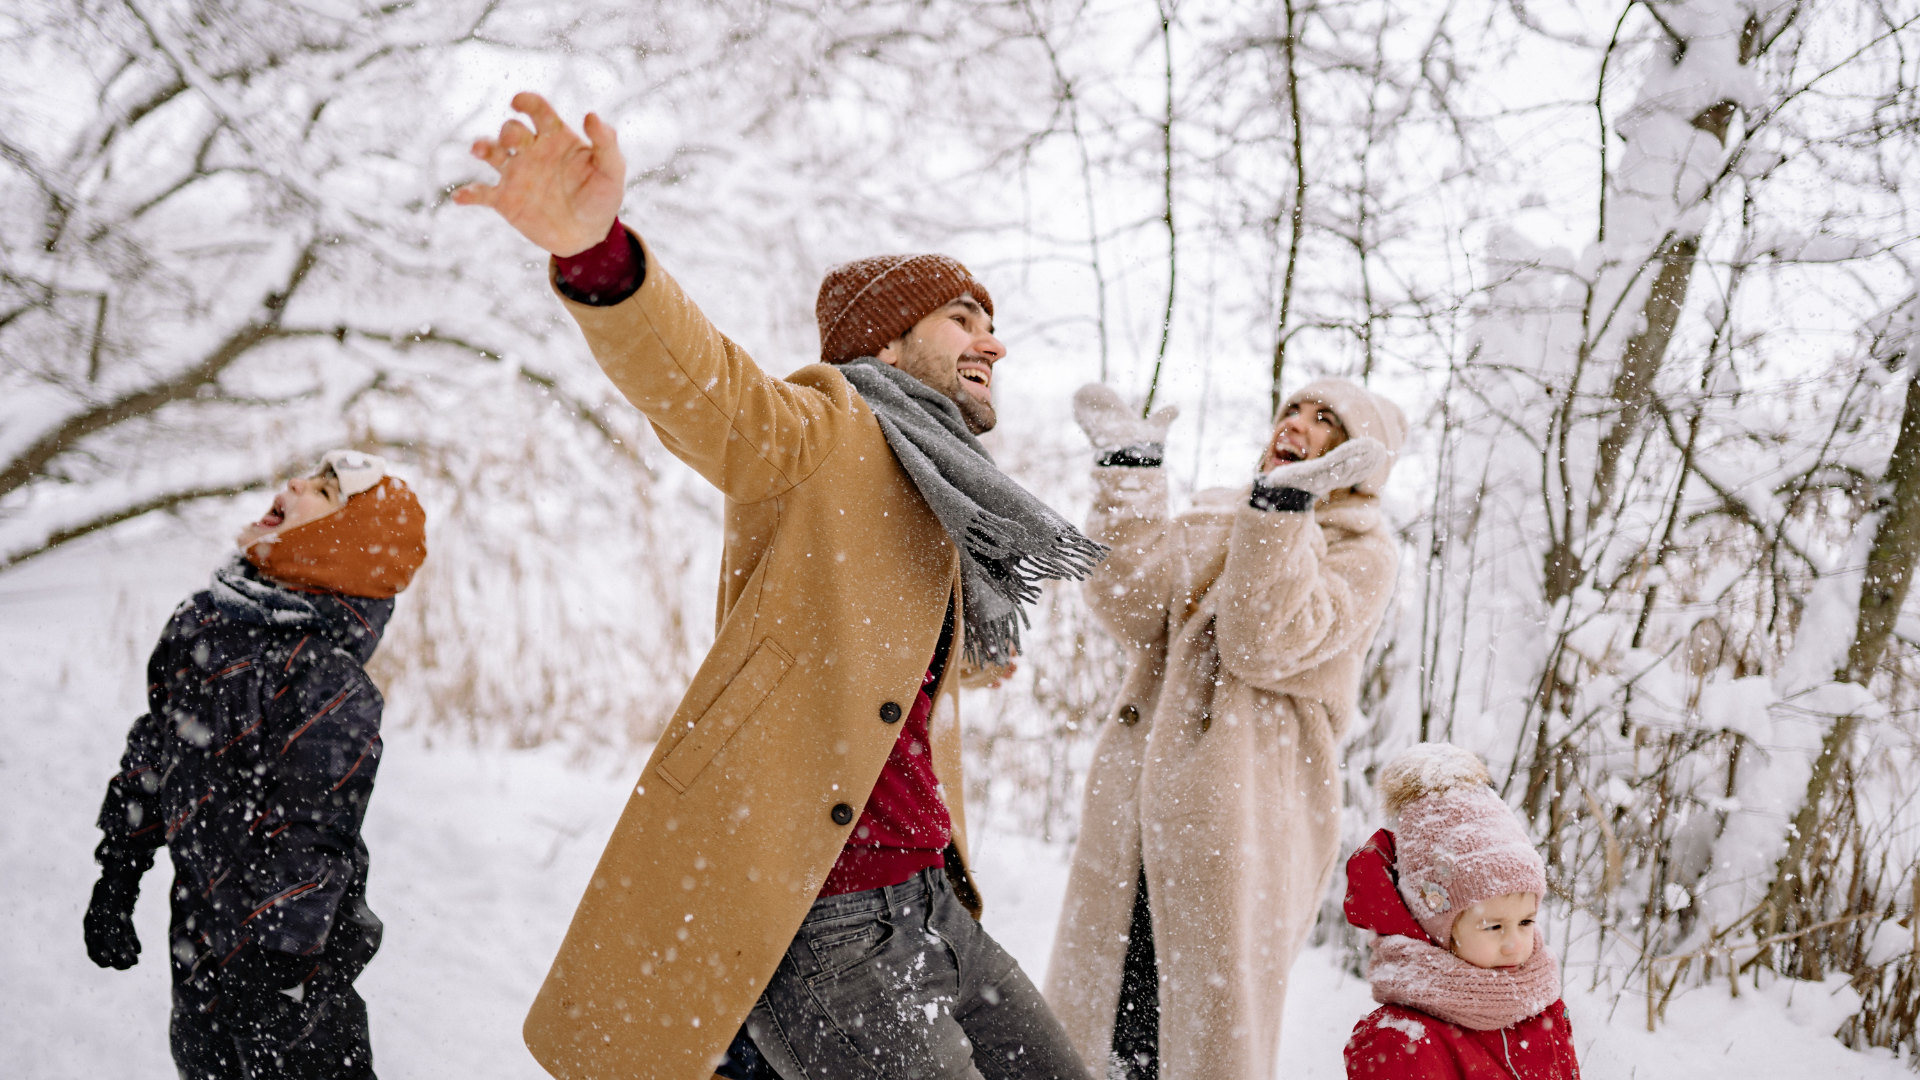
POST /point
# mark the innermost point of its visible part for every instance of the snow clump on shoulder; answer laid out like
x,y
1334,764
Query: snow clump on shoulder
x,y
1430,769
1414,1030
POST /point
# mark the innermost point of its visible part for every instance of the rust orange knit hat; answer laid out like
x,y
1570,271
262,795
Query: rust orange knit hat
x,y
369,547
866,303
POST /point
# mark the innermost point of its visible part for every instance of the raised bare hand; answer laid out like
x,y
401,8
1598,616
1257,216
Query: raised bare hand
x,y
558,190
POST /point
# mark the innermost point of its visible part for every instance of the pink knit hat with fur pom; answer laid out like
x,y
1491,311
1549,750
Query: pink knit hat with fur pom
x,y
1456,842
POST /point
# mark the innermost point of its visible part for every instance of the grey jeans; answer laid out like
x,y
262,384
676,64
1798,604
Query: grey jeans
x,y
901,983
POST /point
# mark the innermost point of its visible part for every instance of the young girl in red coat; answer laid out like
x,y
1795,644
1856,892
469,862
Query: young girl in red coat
x,y
1467,988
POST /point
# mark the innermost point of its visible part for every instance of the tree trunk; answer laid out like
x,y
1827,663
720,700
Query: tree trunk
x,y
1633,384
1632,389
1297,220
1166,179
1895,544
1883,590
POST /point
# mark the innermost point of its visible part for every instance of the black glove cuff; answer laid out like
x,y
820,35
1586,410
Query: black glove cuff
x,y
1146,455
1288,499
120,863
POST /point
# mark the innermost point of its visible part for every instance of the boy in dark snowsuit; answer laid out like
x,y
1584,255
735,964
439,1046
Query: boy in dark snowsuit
x,y
253,766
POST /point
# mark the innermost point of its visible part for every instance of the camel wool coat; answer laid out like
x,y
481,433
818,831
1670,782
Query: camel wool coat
x,y
1245,632
834,584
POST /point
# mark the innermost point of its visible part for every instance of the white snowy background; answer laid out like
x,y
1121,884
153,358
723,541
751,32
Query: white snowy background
x,y
1643,276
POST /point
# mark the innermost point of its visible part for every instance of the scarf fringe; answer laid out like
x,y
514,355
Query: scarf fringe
x,y
993,641
1069,558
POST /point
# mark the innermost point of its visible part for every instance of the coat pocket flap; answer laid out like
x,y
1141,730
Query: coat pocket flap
x,y
744,693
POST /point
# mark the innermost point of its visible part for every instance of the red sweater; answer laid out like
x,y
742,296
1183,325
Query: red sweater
x,y
904,828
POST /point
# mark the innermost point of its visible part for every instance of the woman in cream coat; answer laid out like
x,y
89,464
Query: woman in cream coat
x,y
1212,807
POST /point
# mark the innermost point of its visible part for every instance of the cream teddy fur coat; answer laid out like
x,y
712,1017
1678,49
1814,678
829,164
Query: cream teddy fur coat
x,y
1246,632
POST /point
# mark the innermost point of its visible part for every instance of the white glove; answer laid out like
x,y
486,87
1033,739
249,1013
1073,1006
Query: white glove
x,y
1341,467
1111,425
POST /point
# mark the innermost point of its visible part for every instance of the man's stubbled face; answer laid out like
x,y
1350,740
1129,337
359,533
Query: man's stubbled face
x,y
953,350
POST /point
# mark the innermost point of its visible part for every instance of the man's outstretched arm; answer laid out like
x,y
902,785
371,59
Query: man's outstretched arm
x,y
750,435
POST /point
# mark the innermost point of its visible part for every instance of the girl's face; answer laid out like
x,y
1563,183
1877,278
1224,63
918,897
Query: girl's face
x,y
1497,932
1306,429
305,498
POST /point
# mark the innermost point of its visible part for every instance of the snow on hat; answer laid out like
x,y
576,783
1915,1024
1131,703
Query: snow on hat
x,y
1361,412
371,546
869,302
1456,842
356,471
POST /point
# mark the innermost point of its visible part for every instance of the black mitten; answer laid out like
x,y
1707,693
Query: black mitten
x,y
111,941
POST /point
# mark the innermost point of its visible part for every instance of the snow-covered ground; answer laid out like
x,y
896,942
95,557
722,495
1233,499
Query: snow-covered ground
x,y
479,855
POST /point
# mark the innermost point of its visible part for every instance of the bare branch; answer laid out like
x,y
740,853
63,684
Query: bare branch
x,y
33,460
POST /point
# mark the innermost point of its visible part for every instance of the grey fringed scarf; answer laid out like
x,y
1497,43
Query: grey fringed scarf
x,y
1008,539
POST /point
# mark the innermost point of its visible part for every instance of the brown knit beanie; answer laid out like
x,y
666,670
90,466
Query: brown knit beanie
x,y
869,302
369,547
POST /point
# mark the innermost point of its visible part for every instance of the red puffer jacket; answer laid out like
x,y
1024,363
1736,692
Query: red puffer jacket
x,y
1398,1043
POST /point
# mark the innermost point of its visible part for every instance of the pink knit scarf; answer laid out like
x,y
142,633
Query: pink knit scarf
x,y
1431,979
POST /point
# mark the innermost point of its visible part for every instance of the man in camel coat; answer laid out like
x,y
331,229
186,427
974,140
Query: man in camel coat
x,y
1213,801
787,887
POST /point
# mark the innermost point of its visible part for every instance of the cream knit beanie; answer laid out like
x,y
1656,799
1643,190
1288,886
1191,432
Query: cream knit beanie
x,y
1361,412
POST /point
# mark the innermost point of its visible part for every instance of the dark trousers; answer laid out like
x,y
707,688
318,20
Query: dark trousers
x,y
901,983
318,1031
1136,1022
323,1036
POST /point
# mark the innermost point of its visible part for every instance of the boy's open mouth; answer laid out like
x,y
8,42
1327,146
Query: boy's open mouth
x,y
274,515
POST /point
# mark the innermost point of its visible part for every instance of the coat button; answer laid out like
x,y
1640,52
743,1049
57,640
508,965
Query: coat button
x,y
890,713
1129,714
842,814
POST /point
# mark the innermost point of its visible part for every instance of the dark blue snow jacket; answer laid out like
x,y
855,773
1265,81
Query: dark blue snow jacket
x,y
253,766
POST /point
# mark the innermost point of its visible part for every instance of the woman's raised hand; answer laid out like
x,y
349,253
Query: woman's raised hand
x,y
558,190
1111,424
1341,467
